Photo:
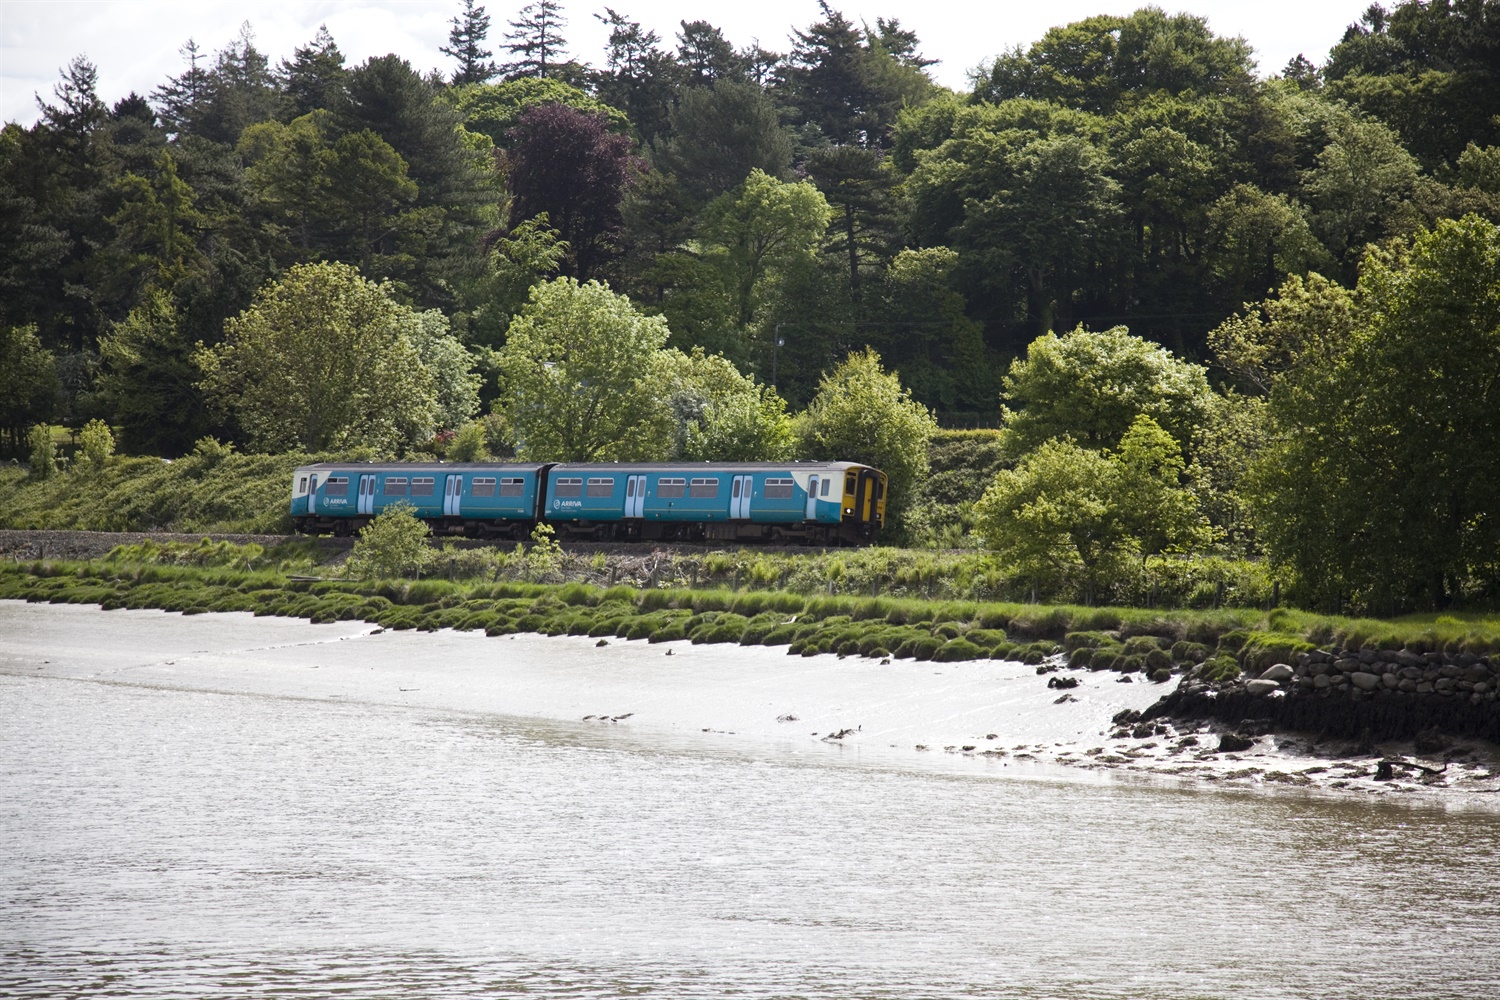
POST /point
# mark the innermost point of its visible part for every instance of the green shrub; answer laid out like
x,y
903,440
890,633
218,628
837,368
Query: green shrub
x,y
394,544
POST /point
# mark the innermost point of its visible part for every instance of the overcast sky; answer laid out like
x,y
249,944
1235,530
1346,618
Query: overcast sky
x,y
135,43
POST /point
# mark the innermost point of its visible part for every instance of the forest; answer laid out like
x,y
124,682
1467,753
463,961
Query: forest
x,y
1201,309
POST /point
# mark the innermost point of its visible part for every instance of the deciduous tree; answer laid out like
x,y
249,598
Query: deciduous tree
x,y
323,359
577,378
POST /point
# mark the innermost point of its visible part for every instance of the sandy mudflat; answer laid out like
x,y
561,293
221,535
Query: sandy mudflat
x,y
957,717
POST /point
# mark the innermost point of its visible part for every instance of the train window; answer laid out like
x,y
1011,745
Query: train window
x,y
569,488
337,486
395,486
779,489
512,487
421,487
483,488
629,487
671,489
826,484
704,489
601,488
879,489
849,483
302,485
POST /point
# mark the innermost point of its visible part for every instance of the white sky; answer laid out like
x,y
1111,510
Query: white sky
x,y
135,43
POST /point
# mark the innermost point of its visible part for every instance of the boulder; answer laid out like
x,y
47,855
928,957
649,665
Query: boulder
x,y
1277,672
1233,743
1261,686
1365,681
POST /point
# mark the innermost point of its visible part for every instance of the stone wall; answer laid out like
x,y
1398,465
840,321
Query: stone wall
x,y
1364,693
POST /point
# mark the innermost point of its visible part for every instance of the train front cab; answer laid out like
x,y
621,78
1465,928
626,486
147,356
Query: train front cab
x,y
864,503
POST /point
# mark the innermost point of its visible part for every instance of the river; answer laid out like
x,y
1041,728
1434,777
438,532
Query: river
x,y
224,806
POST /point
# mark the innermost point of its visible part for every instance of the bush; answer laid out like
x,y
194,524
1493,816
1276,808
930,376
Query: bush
x,y
43,452
392,545
96,442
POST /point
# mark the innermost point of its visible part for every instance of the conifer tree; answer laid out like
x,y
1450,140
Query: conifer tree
x,y
536,40
465,43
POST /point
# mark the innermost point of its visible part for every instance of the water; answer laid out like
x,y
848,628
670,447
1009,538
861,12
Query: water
x,y
162,840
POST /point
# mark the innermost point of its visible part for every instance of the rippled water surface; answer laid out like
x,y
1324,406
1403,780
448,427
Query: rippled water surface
x,y
160,842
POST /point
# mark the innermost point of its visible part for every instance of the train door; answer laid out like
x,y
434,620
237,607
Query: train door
x,y
452,496
864,507
312,493
739,497
635,496
366,494
812,498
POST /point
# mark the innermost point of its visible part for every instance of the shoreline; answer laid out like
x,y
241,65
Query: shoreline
x,y
982,717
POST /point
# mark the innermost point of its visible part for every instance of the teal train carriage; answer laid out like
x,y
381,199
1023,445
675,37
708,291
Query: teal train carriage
x,y
809,502
480,500
815,502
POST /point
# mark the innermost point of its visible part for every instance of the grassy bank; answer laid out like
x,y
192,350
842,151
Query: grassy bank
x,y
210,490
285,581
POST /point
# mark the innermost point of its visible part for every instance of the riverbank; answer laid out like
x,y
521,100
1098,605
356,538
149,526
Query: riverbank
x,y
983,713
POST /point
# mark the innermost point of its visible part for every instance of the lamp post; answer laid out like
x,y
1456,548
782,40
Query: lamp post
x,y
776,344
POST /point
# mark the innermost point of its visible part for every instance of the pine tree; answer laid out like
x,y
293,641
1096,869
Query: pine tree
x,y
536,40
314,78
465,43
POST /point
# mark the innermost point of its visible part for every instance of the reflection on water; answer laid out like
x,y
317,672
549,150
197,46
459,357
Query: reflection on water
x,y
162,843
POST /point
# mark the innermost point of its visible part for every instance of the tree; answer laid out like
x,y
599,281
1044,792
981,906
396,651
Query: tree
x,y
455,385
536,40
568,165
705,55
465,44
1160,514
1310,321
28,385
321,360
96,442
846,85
495,109
314,78
43,451
1377,486
1090,387
639,77
720,133
1360,190
1053,516
527,255
1065,510
720,415
764,225
148,380
392,546
862,414
924,333
576,370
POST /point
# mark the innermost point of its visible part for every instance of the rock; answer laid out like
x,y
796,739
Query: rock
x,y
1347,665
1277,672
1389,680
1478,672
1124,679
1424,687
1263,687
1322,682
602,642
1368,655
1430,742
1062,682
1383,771
1232,743
1125,717
1365,681
1144,731
1407,658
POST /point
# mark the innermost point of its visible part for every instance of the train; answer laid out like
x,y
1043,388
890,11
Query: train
x,y
811,503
